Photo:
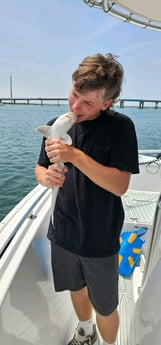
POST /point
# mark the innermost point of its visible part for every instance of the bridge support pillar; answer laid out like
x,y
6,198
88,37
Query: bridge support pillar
x,y
141,104
121,104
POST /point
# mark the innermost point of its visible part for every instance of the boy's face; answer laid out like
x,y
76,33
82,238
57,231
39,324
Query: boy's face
x,y
87,105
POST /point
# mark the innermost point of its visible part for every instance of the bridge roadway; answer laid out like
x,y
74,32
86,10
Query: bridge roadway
x,y
32,100
141,102
58,100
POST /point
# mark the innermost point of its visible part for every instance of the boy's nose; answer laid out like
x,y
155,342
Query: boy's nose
x,y
76,106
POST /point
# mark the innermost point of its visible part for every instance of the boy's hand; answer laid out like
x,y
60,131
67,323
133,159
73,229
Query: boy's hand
x,y
55,175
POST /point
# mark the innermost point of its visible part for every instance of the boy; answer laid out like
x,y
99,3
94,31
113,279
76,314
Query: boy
x,y
88,215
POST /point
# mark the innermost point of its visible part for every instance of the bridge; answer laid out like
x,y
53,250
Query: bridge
x,y
141,103
33,100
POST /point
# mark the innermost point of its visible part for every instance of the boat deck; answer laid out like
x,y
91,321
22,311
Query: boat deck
x,y
32,312
140,206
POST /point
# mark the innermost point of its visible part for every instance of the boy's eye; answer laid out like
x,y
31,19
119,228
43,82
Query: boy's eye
x,y
75,94
88,103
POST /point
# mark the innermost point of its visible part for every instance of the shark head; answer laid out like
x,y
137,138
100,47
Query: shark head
x,y
59,128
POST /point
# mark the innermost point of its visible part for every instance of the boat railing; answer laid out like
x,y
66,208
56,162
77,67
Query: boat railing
x,y
149,152
149,156
124,13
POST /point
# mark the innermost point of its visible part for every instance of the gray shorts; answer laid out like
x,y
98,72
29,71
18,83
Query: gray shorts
x,y
100,275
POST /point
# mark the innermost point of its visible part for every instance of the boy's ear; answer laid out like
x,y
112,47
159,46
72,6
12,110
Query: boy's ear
x,y
106,104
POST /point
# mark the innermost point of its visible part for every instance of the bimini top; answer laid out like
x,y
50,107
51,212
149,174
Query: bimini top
x,y
144,13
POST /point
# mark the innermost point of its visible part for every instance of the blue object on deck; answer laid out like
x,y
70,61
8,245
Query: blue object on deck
x,y
130,250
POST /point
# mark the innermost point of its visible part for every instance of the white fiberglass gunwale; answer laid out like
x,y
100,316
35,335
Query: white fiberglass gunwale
x,y
18,229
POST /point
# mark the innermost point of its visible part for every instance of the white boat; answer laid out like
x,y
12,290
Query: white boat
x,y
31,312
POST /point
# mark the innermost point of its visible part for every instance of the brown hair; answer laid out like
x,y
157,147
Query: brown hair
x,y
99,72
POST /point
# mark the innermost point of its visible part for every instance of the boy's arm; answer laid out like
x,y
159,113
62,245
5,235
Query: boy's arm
x,y
111,179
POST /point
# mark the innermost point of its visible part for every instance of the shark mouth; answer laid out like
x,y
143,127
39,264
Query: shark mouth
x,y
72,117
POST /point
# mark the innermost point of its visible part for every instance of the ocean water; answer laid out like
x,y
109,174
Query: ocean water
x,y
20,144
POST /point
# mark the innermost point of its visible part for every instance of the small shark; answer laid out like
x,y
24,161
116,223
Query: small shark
x,y
58,130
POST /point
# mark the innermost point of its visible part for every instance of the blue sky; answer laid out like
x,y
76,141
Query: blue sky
x,y
43,41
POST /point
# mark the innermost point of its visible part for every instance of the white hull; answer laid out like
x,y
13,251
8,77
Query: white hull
x,y
32,313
